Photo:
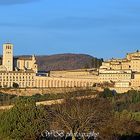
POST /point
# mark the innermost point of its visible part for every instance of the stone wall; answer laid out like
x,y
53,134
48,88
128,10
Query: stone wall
x,y
33,91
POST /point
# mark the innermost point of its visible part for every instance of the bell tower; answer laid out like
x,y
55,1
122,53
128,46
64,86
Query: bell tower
x,y
8,56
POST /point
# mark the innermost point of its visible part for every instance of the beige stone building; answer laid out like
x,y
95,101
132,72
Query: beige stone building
x,y
124,73
16,69
24,72
132,62
135,81
115,75
123,84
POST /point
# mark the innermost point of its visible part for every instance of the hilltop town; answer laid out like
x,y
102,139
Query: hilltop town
x,y
117,74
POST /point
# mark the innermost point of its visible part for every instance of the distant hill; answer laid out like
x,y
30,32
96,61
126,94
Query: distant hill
x,y
67,62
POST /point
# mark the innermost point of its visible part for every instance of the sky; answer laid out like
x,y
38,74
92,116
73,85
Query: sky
x,y
101,28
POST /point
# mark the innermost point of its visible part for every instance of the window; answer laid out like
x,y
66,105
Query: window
x,y
27,64
18,64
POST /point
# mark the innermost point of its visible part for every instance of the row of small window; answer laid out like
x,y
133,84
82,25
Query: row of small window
x,y
135,66
16,80
17,77
136,69
135,62
116,75
136,81
8,52
16,73
26,64
116,66
27,84
111,78
8,47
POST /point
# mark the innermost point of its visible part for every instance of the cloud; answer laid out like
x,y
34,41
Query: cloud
x,y
12,2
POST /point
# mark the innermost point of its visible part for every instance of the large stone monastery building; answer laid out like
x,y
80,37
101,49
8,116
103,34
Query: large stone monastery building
x,y
121,74
24,72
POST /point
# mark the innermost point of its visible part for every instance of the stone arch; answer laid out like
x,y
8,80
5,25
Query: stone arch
x,y
64,83
58,83
45,83
42,83
55,83
68,83
38,83
87,84
71,84
48,83
80,83
74,83
51,83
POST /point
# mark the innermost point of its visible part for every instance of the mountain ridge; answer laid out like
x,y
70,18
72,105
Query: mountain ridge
x,y
67,61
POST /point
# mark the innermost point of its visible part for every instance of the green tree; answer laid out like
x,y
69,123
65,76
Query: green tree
x,y
24,121
107,93
15,85
81,115
123,124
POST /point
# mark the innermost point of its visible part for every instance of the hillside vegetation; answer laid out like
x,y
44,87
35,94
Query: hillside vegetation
x,y
67,62
110,115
